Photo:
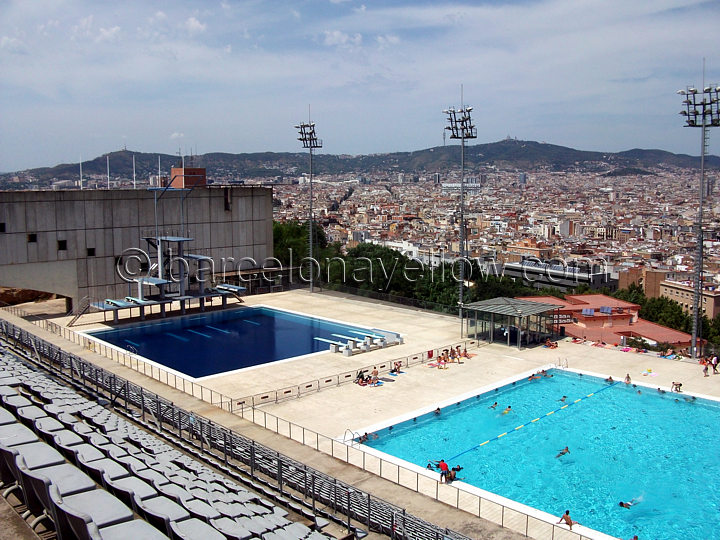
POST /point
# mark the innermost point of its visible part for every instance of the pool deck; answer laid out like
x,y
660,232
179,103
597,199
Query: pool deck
x,y
333,410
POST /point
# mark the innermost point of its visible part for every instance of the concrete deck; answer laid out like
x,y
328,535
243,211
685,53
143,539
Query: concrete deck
x,y
331,411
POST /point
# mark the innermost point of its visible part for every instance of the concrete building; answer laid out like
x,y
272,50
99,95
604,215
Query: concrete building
x,y
71,242
683,292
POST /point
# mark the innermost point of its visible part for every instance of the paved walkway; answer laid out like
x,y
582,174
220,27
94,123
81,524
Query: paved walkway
x,y
333,410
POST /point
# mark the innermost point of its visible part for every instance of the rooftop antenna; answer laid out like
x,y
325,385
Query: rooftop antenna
x,y
108,170
134,179
81,178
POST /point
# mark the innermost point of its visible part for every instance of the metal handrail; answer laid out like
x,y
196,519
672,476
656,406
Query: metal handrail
x,y
220,444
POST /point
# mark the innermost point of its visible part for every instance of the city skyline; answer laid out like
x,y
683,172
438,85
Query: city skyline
x,y
84,78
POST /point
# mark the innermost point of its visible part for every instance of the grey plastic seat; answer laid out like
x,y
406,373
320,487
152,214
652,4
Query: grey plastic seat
x,y
161,511
194,529
231,529
232,510
74,512
256,524
47,426
129,488
105,466
36,454
6,417
175,492
6,390
135,529
28,415
16,434
200,509
13,403
35,484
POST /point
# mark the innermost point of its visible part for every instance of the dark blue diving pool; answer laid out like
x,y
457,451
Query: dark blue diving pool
x,y
213,343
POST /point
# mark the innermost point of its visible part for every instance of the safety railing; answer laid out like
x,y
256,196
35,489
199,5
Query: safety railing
x,y
313,386
425,483
242,456
127,359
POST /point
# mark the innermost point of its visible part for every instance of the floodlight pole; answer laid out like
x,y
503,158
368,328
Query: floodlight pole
x,y
461,127
701,110
310,141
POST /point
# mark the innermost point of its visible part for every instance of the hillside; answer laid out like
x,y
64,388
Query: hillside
x,y
505,154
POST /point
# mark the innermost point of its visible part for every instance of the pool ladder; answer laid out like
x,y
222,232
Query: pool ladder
x,y
562,363
353,439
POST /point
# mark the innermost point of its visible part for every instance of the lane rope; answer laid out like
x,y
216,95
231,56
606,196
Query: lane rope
x,y
550,413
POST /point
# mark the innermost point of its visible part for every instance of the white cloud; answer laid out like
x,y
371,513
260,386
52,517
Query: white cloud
x,y
84,28
12,45
108,34
177,135
193,26
47,26
159,16
387,40
341,39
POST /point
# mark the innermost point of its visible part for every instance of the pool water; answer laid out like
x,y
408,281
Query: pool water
x,y
213,343
658,448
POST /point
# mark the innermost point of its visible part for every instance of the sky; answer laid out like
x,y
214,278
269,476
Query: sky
x,y
80,79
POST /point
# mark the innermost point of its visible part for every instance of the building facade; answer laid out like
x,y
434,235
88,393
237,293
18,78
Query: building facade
x,y
72,243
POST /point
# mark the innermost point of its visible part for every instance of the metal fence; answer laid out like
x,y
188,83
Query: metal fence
x,y
235,453
310,387
127,359
378,515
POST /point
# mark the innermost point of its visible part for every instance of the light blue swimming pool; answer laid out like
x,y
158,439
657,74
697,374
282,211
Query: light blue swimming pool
x,y
659,448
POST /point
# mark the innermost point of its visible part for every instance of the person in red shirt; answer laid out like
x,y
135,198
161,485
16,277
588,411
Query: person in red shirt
x,y
444,470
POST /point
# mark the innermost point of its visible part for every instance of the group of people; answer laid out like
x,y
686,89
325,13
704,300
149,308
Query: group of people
x,y
551,344
506,410
447,474
707,363
540,374
451,355
363,379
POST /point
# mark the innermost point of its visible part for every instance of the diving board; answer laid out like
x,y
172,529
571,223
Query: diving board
x,y
335,346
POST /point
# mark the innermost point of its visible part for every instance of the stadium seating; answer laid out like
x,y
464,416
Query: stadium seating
x,y
88,473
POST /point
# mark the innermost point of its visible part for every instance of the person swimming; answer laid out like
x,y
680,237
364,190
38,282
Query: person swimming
x,y
509,409
632,502
564,451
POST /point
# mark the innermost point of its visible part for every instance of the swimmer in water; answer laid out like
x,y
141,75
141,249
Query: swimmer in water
x,y
563,399
493,406
630,503
509,409
564,451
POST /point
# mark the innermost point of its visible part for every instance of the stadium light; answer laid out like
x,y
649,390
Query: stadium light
x,y
701,110
461,127
310,141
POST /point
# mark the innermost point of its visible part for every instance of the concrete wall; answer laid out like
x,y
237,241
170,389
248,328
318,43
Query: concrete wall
x,y
49,236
